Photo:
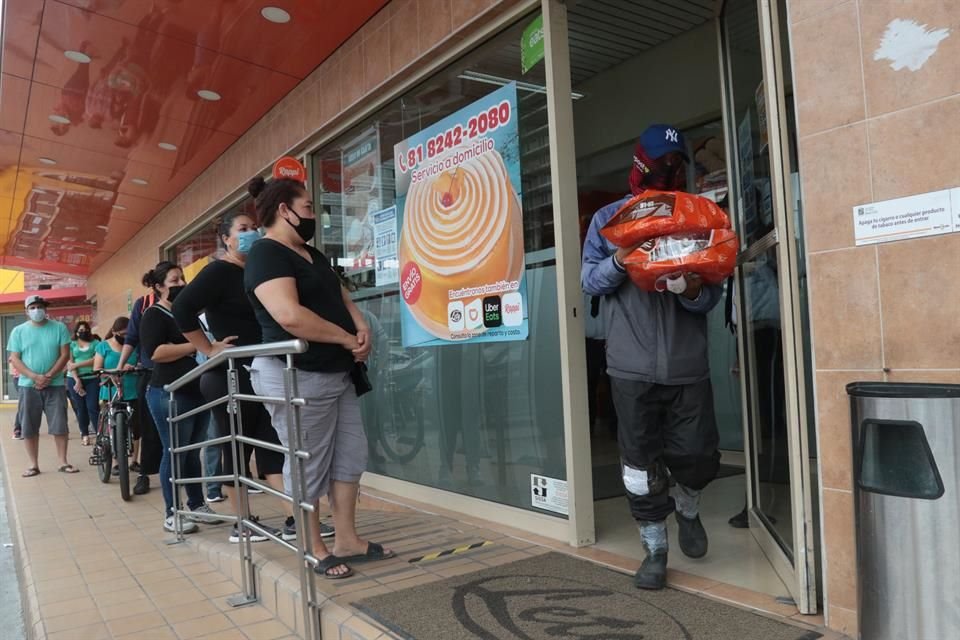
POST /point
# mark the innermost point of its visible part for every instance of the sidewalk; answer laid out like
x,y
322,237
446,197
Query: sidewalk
x,y
93,567
96,567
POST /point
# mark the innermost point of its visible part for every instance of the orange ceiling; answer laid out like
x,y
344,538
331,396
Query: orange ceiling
x,y
101,122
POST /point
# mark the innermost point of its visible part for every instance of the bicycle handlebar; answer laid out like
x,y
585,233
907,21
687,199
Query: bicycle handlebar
x,y
101,373
121,372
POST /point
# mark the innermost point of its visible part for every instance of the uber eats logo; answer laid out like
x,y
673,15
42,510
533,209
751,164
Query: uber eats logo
x,y
492,314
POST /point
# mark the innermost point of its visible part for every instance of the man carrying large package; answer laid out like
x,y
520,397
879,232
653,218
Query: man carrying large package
x,y
657,349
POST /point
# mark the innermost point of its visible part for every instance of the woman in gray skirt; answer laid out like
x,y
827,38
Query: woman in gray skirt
x,y
296,294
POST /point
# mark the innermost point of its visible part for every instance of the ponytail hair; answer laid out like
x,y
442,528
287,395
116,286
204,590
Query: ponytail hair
x,y
158,275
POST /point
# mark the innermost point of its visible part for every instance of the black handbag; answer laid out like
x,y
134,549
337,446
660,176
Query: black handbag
x,y
361,382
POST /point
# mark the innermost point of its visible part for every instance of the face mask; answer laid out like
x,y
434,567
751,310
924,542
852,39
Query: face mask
x,y
173,292
37,315
83,335
306,228
119,339
245,240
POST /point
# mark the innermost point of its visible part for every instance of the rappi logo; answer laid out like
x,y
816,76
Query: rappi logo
x,y
289,168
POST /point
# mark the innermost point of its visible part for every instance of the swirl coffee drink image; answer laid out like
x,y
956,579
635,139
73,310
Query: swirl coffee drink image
x,y
462,229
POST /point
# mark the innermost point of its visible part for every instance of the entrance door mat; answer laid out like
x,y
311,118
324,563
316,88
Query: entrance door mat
x,y
608,483
556,596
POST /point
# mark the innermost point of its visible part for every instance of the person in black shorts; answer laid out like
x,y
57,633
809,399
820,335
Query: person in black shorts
x,y
217,291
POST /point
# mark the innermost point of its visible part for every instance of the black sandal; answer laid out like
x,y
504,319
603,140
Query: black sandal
x,y
374,553
332,562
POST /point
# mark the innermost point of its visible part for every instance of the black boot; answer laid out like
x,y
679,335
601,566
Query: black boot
x,y
693,537
143,485
652,574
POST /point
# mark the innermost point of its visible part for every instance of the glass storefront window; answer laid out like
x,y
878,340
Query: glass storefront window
x,y
476,419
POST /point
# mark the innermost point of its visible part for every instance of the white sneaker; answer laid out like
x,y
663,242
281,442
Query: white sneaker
x,y
185,527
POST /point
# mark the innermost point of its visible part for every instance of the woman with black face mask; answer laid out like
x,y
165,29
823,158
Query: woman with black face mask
x,y
173,357
296,294
83,392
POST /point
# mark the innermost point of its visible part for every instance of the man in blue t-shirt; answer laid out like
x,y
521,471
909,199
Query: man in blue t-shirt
x,y
39,350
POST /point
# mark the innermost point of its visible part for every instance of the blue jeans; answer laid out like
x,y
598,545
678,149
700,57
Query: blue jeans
x,y
211,460
190,431
86,408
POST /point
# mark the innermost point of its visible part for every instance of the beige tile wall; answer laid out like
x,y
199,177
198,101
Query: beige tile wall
x,y
388,48
867,133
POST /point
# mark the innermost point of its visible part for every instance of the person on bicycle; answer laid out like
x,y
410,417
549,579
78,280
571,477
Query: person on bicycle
x,y
296,294
173,357
107,359
218,291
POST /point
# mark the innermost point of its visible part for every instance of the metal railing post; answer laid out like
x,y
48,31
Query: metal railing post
x,y
247,577
174,441
305,521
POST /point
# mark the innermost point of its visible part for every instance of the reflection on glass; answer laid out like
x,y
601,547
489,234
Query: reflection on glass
x,y
754,203
474,419
766,393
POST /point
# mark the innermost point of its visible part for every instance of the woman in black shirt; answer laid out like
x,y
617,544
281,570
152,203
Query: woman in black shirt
x,y
172,358
296,294
217,291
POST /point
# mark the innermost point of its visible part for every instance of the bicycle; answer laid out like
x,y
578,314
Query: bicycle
x,y
113,438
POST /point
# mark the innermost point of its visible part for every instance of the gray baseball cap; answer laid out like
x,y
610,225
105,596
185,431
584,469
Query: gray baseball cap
x,y
35,299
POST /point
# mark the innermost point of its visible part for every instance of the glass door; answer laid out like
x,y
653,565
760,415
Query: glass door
x,y
7,323
770,308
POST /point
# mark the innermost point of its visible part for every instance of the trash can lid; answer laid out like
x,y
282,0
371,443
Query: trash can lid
x,y
902,390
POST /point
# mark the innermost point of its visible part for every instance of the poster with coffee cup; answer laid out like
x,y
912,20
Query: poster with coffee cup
x,y
461,252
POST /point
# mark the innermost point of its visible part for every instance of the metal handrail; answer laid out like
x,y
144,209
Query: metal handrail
x,y
291,403
281,348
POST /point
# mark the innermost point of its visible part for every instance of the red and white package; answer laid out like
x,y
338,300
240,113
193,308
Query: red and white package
x,y
712,255
653,214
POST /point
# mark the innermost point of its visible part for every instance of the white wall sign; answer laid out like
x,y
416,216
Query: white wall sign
x,y
549,494
926,214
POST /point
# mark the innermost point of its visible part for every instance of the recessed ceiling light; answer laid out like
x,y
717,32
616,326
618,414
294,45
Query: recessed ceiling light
x,y
207,94
275,14
59,119
119,207
47,161
77,56
167,146
102,226
91,242
139,181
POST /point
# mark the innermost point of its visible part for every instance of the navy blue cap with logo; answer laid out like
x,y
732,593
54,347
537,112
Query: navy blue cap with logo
x,y
660,139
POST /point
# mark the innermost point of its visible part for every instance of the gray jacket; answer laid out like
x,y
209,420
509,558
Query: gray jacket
x,y
651,337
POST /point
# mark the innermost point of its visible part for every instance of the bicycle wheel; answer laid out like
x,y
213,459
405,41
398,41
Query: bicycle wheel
x,y
120,449
402,438
104,447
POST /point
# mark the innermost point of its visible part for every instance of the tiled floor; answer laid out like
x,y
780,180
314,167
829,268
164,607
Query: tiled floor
x,y
100,568
94,567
